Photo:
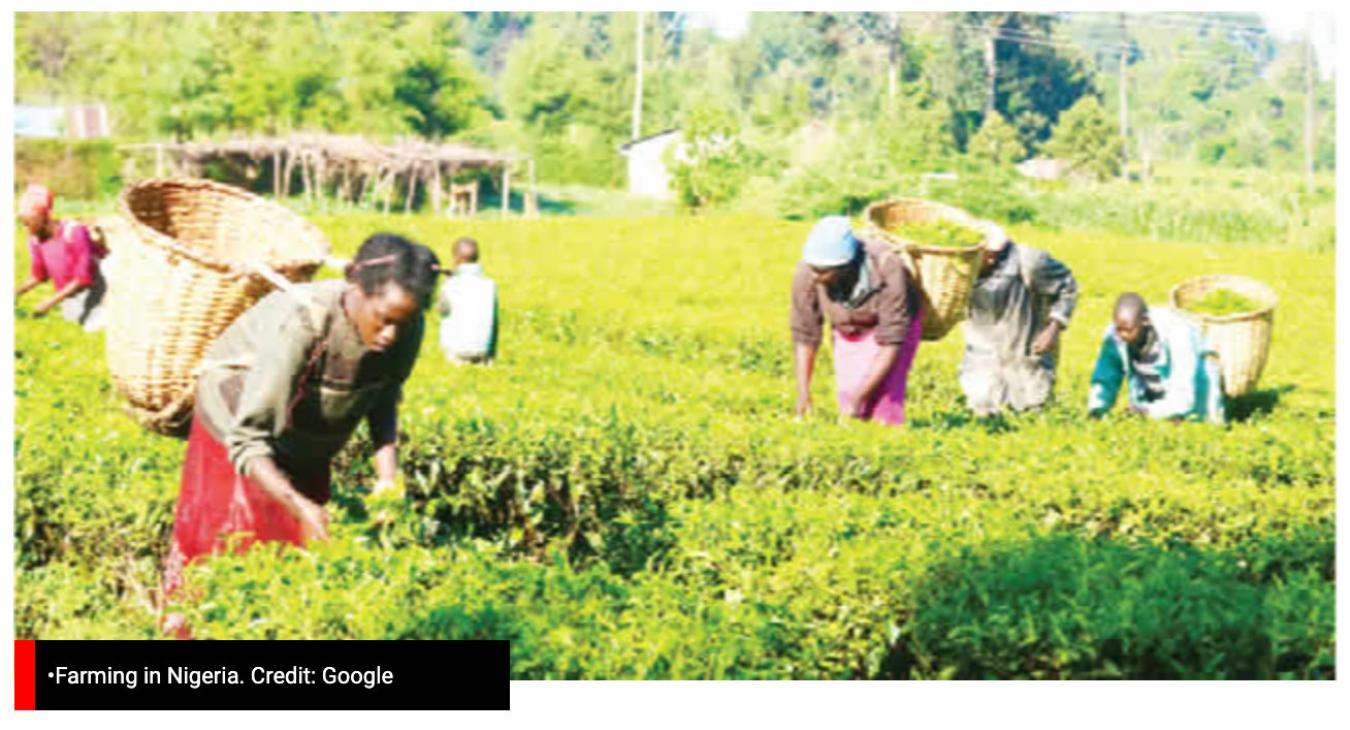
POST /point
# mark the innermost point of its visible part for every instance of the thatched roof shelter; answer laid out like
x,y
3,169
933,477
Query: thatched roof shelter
x,y
356,168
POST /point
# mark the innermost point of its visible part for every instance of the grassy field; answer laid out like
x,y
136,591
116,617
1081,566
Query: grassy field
x,y
624,494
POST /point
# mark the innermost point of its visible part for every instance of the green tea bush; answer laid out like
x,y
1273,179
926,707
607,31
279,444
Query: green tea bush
x,y
1066,608
623,493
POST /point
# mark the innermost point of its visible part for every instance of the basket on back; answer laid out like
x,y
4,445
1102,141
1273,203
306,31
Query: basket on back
x,y
183,276
1242,341
945,276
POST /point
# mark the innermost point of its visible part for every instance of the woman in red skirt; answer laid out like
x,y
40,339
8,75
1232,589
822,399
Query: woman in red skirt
x,y
282,390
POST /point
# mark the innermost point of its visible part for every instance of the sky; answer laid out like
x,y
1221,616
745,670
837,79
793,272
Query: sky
x,y
731,24
726,24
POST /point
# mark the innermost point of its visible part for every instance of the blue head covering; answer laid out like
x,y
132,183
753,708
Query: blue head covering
x,y
830,243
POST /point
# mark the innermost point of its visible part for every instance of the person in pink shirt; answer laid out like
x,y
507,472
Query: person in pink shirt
x,y
64,253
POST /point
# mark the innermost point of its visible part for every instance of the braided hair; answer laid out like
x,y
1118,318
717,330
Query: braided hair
x,y
389,257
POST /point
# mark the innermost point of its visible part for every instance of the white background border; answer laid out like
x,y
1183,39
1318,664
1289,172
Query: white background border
x,y
1095,705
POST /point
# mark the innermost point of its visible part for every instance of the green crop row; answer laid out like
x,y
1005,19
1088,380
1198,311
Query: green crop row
x,y
623,493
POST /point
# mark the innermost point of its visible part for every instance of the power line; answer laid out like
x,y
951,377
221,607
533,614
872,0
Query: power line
x,y
1171,22
1201,23
1012,35
1197,54
1128,44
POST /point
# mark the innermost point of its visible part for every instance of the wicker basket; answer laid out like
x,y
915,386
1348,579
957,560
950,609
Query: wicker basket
x,y
945,276
1242,341
184,274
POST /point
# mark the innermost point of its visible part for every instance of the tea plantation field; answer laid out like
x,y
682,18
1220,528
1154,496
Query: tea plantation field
x,y
625,495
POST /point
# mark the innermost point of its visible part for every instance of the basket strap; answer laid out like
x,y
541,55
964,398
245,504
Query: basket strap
x,y
263,271
266,273
241,361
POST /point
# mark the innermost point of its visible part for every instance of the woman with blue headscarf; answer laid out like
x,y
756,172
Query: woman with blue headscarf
x,y
865,291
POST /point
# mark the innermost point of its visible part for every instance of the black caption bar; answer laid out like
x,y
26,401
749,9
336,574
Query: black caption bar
x,y
272,675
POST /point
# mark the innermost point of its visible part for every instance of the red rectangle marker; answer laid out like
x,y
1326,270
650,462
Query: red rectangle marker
x,y
25,687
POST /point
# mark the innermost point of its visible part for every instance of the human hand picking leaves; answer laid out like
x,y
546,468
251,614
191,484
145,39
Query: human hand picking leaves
x,y
386,499
1045,342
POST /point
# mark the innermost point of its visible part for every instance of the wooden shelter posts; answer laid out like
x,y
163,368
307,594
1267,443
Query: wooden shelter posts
x,y
348,167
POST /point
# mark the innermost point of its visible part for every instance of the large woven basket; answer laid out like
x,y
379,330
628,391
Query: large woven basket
x,y
184,274
945,276
1242,341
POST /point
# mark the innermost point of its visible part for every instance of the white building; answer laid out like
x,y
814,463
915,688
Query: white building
x,y
1043,169
647,173
81,121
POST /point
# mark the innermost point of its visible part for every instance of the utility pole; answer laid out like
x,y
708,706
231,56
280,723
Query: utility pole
x,y
1308,107
1124,103
990,69
897,58
637,93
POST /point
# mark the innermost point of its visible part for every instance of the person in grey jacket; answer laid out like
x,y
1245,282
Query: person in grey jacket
x,y
1022,300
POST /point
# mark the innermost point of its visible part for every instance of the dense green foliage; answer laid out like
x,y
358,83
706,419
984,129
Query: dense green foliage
x,y
710,164
624,493
211,73
997,142
1180,203
83,170
894,88
1087,140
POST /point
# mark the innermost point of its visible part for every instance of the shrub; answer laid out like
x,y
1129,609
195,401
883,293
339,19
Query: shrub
x,y
1066,608
712,162
997,142
875,157
1087,139
75,170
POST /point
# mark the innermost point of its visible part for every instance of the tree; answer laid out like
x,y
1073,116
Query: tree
x,y
490,35
710,165
1088,140
171,87
1038,74
435,84
569,85
997,142
44,46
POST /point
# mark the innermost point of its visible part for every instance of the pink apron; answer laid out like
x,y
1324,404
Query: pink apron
x,y
853,356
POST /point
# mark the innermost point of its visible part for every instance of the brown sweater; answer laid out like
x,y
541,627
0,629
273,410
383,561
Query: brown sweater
x,y
293,383
890,310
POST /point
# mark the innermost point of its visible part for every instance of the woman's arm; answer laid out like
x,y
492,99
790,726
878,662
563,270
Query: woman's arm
x,y
66,292
28,285
804,357
383,422
37,271
806,321
881,367
383,418
269,477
